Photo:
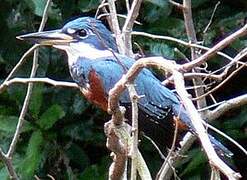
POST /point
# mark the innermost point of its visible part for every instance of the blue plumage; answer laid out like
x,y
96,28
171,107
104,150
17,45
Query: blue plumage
x,y
96,69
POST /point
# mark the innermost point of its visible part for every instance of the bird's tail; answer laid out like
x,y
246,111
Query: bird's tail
x,y
220,148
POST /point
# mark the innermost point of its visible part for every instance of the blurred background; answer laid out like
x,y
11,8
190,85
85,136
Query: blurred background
x,y
63,134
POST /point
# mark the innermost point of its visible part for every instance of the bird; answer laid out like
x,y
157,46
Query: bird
x,y
96,65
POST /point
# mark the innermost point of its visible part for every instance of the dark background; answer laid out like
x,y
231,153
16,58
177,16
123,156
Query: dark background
x,y
63,134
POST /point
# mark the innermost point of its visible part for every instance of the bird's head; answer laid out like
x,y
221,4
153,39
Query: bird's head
x,y
77,34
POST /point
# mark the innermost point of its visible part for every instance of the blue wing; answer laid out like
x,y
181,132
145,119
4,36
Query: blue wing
x,y
157,98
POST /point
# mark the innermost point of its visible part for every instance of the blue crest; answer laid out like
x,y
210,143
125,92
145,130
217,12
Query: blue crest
x,y
96,26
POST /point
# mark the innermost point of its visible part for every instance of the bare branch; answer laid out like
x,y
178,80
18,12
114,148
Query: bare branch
x,y
7,158
8,163
128,25
40,80
188,44
211,18
206,56
178,5
30,87
195,117
115,26
18,65
162,173
219,85
226,106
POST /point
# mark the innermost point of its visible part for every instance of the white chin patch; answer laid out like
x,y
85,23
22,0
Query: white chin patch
x,y
88,51
80,49
62,47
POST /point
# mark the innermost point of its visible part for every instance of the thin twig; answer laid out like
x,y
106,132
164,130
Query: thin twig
x,y
178,5
8,163
29,89
220,84
226,136
188,44
40,80
195,117
206,56
226,106
211,18
162,156
18,65
161,174
128,25
118,15
7,158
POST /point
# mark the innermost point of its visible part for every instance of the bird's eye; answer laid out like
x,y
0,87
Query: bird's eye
x,y
82,33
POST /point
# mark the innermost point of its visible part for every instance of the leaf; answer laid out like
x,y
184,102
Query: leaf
x,y
17,93
81,159
161,49
79,104
51,116
8,123
197,3
154,10
98,171
88,5
160,3
4,174
33,156
36,100
38,6
198,160
79,130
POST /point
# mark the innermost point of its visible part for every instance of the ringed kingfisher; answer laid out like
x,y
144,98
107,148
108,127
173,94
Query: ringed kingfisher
x,y
96,66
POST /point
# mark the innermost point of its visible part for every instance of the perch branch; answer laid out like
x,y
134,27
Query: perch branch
x,y
195,117
119,148
197,123
134,145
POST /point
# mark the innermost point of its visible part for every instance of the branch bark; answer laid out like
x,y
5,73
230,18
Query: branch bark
x,y
195,117
206,56
7,158
226,106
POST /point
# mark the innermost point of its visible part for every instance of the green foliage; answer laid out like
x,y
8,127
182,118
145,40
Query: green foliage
x,y
62,133
50,116
37,6
234,125
36,100
8,123
33,156
197,160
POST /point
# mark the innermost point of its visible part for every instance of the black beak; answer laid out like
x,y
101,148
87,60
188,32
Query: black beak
x,y
54,37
